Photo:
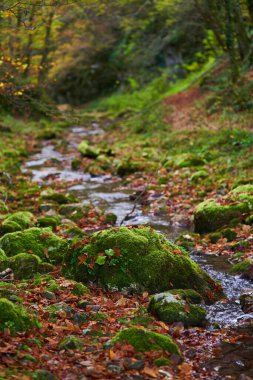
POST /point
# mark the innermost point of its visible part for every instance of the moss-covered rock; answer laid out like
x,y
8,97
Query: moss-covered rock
x,y
48,221
143,340
229,234
3,207
138,259
241,267
2,255
214,237
9,226
127,166
170,308
110,218
38,241
189,295
14,317
71,343
79,289
25,265
74,211
8,291
201,174
88,151
57,197
188,160
211,215
22,218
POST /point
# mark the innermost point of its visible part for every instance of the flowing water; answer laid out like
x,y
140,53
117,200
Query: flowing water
x,y
110,194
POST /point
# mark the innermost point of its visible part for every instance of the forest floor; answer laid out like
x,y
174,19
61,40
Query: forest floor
x,y
145,164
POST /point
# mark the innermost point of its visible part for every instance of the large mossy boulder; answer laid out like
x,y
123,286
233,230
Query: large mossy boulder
x,y
137,259
25,265
211,214
143,340
14,317
170,308
38,241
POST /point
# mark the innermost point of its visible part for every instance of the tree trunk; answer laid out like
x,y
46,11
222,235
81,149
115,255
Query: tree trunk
x,y
230,40
46,50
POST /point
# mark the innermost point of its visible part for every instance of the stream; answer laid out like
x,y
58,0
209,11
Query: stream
x,y
111,195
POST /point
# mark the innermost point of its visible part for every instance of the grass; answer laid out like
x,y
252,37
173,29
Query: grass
x,y
122,103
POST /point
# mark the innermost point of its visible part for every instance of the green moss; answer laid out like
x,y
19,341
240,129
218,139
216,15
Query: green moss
x,y
99,317
201,174
127,166
111,219
3,207
187,294
209,215
241,267
249,220
188,160
75,164
48,221
73,211
162,361
71,343
8,291
53,286
143,340
2,255
168,308
24,265
87,151
79,289
40,242
138,259
57,197
14,317
23,218
9,226
229,234
214,237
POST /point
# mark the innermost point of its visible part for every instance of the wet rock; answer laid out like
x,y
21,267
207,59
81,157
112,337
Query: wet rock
x,y
211,215
246,301
143,340
172,308
140,259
